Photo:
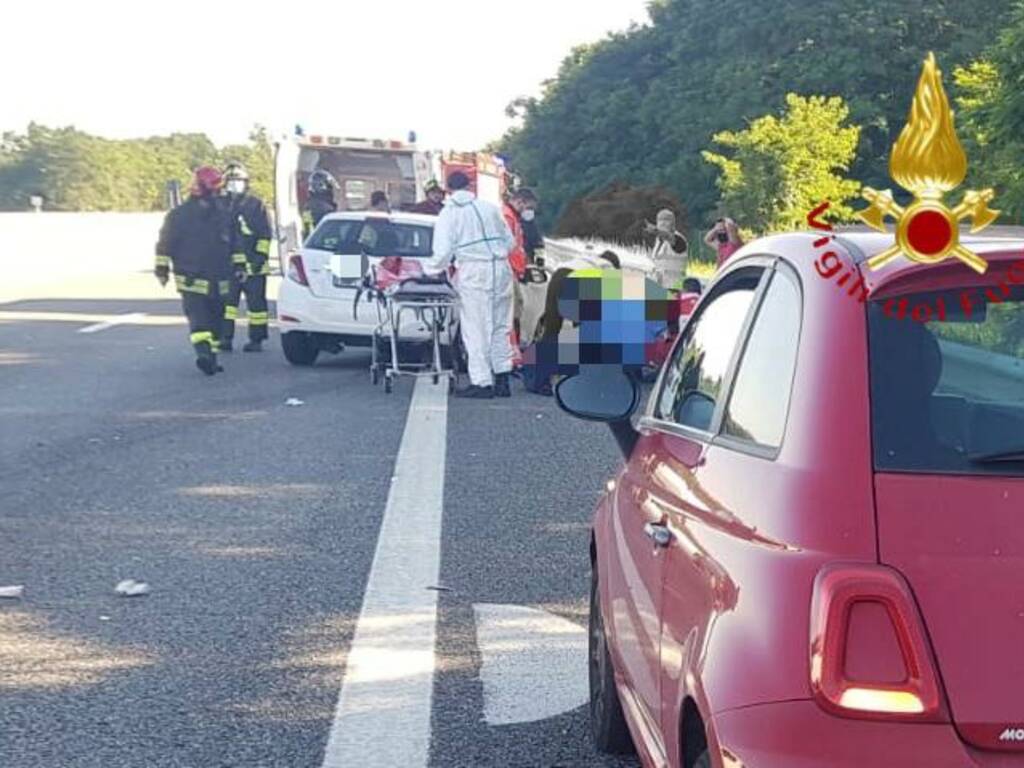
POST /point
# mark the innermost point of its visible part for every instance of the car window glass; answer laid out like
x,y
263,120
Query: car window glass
x,y
947,394
334,234
760,397
693,377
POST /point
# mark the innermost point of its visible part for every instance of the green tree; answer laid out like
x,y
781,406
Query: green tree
x,y
781,167
641,105
75,171
990,102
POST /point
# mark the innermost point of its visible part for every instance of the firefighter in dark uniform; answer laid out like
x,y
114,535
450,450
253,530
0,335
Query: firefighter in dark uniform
x,y
250,256
321,199
195,241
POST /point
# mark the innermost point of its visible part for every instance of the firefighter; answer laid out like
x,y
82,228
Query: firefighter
x,y
321,198
250,257
434,202
195,241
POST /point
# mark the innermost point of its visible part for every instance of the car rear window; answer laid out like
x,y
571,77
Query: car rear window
x,y
377,237
947,381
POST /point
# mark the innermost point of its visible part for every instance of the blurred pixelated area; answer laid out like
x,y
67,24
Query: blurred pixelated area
x,y
605,317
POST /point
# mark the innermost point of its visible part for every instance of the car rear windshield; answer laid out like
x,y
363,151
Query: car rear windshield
x,y
947,381
376,237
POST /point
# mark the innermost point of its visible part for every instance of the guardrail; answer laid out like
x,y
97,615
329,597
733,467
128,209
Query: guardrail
x,y
558,250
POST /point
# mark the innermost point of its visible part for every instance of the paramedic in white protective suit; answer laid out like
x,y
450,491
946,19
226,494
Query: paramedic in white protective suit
x,y
474,235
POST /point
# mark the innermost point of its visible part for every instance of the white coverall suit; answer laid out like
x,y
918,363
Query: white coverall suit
x,y
474,233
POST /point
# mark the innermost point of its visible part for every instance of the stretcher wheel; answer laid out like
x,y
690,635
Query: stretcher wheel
x,y
374,375
437,378
451,385
389,383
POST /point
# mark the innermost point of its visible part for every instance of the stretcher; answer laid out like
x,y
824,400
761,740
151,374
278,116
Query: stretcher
x,y
401,290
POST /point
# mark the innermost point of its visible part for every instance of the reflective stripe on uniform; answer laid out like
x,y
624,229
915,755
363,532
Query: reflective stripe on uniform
x,y
263,247
230,313
192,285
243,226
259,318
200,337
163,261
238,258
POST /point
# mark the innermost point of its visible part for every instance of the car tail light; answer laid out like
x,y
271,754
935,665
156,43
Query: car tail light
x,y
869,654
296,270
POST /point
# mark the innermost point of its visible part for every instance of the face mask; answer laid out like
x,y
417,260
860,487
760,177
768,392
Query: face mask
x,y
236,187
529,215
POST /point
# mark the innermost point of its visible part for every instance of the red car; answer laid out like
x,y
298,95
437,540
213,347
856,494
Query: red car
x,y
814,552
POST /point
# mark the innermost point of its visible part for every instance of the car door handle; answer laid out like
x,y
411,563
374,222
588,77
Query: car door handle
x,y
659,534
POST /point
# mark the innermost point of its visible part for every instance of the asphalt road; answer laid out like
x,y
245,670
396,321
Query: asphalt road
x,y
255,524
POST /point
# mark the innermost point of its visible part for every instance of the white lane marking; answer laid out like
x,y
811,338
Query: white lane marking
x,y
134,317
383,715
533,663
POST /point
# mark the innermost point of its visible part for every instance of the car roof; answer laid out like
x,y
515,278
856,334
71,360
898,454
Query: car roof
x,y
869,242
396,217
995,244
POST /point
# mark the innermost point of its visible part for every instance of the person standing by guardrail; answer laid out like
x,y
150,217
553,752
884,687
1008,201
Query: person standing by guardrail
x,y
725,238
251,258
195,241
670,250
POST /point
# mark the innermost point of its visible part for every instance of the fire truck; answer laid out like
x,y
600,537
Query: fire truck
x,y
488,177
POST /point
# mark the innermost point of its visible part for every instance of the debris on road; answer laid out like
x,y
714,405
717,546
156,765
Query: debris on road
x,y
294,402
439,588
12,593
104,618
132,588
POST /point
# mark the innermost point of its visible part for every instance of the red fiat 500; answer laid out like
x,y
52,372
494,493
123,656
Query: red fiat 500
x,y
814,552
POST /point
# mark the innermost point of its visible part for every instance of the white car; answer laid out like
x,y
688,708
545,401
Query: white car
x,y
316,303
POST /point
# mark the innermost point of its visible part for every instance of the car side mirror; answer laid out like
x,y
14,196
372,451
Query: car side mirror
x,y
599,393
696,410
603,393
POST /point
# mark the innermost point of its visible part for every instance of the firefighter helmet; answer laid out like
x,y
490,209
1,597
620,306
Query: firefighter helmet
x,y
235,172
320,181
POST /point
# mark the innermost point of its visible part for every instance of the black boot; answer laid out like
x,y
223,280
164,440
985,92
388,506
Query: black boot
x,y
476,393
208,364
253,346
501,385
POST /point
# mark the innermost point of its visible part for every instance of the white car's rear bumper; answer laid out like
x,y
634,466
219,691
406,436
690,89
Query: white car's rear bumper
x,y
299,310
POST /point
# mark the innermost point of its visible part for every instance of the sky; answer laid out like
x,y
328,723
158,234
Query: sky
x,y
372,68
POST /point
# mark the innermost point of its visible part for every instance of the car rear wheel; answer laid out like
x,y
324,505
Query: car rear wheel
x,y
300,348
607,723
